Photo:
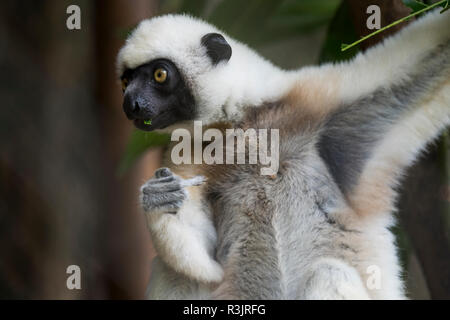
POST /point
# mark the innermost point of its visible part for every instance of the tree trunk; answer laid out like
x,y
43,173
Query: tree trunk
x,y
127,250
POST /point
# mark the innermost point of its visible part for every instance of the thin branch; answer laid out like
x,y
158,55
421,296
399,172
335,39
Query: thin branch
x,y
348,46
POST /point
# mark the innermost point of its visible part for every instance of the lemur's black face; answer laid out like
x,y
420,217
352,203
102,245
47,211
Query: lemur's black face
x,y
155,95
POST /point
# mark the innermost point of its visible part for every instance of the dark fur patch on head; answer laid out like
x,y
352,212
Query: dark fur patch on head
x,y
217,47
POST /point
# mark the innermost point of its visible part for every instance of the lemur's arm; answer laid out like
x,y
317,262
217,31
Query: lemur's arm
x,y
181,227
392,61
166,284
392,100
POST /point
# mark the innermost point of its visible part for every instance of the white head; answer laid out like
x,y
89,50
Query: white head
x,y
176,68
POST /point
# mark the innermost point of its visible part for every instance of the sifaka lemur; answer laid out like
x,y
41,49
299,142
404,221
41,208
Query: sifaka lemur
x,y
319,227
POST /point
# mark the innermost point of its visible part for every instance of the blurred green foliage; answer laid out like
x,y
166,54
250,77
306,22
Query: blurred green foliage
x,y
138,143
340,30
259,21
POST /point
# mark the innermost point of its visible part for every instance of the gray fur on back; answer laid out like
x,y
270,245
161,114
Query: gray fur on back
x,y
271,230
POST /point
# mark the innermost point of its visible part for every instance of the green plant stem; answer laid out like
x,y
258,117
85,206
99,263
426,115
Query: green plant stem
x,y
345,47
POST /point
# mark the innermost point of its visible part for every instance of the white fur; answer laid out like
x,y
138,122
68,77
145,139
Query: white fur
x,y
219,91
332,279
389,62
185,242
165,283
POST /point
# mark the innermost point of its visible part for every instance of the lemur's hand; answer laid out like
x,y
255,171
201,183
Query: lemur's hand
x,y
166,191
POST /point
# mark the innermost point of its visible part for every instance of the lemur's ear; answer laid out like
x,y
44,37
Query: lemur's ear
x,y
217,47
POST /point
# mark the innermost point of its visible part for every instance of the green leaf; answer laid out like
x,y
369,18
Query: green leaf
x,y
139,142
414,5
446,6
340,32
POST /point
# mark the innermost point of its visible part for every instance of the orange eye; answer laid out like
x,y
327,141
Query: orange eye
x,y
124,84
160,75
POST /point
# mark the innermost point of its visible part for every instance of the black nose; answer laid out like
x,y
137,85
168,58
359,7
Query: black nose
x,y
131,107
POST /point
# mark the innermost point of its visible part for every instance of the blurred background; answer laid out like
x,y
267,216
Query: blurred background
x,y
71,164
